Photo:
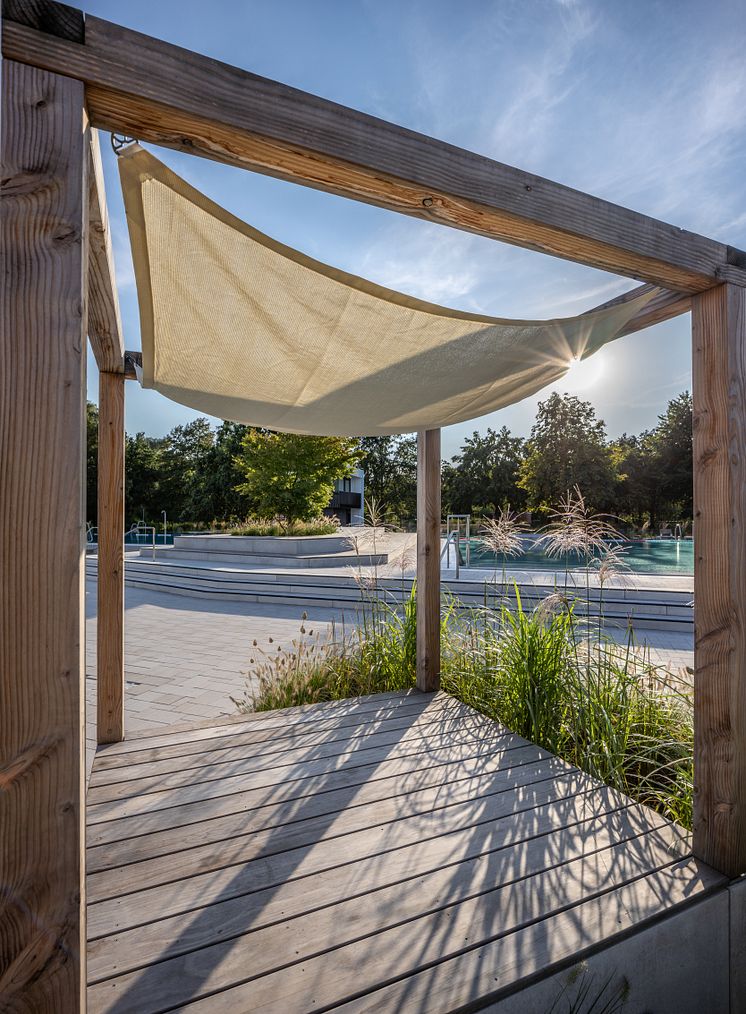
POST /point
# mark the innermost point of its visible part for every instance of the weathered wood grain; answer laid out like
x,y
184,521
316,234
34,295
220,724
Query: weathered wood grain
x,y
173,97
110,585
393,779
47,16
130,949
261,744
428,560
104,319
265,756
454,898
719,393
42,399
430,806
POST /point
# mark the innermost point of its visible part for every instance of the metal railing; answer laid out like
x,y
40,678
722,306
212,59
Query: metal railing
x,y
452,537
140,532
453,524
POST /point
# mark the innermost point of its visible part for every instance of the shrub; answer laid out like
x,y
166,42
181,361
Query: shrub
x,y
600,706
279,526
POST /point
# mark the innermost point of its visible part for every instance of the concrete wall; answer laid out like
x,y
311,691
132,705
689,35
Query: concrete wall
x,y
680,965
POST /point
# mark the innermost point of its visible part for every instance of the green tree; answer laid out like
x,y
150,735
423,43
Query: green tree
x,y
638,496
568,448
390,466
484,474
142,474
185,462
672,450
291,476
220,497
91,473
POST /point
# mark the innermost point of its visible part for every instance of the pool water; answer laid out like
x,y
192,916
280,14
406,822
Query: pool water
x,y
648,556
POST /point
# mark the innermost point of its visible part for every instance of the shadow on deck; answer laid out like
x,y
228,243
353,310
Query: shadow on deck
x,y
395,853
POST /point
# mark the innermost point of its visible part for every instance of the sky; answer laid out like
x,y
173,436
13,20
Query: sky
x,y
641,102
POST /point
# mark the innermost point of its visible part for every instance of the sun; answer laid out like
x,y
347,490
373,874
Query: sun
x,y
583,374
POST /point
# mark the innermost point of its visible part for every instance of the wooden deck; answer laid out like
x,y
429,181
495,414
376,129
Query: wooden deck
x,y
398,853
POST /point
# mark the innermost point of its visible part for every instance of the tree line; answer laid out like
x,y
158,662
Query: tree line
x,y
199,474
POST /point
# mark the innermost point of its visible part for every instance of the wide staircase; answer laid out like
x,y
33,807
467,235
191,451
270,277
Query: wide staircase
x,y
643,609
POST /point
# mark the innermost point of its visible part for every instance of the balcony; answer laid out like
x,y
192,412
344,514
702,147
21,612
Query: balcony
x,y
341,499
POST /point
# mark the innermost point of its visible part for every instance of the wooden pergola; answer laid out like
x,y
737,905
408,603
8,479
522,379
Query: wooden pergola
x,y
65,75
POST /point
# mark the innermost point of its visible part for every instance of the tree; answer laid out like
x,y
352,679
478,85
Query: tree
x,y
142,470
390,465
672,449
91,474
185,462
221,498
484,473
568,448
290,476
639,487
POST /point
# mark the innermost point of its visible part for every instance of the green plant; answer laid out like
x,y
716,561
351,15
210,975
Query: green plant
x,y
291,477
278,526
611,712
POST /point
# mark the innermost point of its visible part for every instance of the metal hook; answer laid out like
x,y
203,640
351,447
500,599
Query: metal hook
x,y
121,141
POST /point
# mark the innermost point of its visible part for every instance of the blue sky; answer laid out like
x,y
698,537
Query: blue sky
x,y
641,103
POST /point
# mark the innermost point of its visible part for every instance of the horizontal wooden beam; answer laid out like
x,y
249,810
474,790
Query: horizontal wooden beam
x,y
170,96
104,319
663,306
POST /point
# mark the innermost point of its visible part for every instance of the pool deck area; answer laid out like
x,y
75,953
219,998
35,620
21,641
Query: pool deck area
x,y
187,657
394,853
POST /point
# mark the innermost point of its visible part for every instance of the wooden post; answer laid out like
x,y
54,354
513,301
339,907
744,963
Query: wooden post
x,y
719,391
110,639
42,542
428,560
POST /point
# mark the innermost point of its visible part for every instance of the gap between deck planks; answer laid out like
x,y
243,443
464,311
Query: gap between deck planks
x,y
343,852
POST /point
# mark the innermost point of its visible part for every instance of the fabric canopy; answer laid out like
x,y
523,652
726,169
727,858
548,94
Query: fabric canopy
x,y
241,327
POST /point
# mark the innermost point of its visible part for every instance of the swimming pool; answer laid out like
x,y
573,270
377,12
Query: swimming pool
x,y
648,556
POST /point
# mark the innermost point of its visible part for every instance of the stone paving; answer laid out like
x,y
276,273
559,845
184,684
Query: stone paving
x,y
185,658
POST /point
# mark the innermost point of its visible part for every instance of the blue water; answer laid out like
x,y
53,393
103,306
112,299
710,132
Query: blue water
x,y
649,556
137,539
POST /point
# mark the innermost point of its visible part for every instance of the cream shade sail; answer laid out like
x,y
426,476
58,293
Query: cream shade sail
x,y
241,327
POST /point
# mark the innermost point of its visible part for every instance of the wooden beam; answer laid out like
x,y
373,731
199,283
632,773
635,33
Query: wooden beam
x,y
663,306
104,320
174,97
42,407
428,560
110,623
719,393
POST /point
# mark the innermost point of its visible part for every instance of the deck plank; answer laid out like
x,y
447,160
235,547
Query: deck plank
x,y
201,734
297,755
273,772
525,768
388,854
482,790
260,744
267,792
222,920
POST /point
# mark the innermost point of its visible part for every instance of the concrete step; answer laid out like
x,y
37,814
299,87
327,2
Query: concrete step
x,y
226,558
620,606
177,568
